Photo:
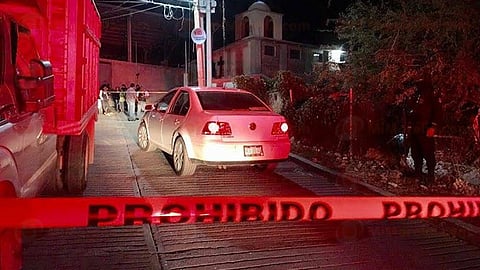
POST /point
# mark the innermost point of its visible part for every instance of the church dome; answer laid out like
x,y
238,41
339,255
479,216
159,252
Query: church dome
x,y
259,5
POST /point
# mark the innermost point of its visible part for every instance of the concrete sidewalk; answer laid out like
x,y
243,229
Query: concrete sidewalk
x,y
112,171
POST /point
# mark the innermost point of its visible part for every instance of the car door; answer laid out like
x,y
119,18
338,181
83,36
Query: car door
x,y
27,155
34,172
156,118
174,118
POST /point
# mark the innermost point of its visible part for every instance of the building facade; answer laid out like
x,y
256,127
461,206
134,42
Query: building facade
x,y
259,48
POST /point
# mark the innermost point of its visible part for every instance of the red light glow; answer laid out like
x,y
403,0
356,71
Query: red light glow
x,y
280,128
217,128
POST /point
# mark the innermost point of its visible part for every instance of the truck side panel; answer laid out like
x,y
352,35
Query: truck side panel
x,y
73,48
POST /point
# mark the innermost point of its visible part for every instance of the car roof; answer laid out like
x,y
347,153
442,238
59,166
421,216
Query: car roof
x,y
213,88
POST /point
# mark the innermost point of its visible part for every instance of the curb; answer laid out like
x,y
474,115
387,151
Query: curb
x,y
458,228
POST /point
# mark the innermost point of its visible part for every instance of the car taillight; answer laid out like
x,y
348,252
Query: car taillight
x,y
279,128
217,128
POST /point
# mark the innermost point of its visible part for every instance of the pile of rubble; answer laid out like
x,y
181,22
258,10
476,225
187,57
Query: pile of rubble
x,y
390,172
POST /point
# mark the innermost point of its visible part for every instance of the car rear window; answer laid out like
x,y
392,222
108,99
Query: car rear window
x,y
216,100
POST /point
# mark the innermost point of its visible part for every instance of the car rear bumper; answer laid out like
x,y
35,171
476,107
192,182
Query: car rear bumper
x,y
234,153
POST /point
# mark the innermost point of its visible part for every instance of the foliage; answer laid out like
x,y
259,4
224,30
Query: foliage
x,y
257,85
392,42
291,88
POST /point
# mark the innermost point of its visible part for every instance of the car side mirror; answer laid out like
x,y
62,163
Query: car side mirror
x,y
37,87
162,107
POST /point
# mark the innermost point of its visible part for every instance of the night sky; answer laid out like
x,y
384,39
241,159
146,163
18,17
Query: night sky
x,y
304,20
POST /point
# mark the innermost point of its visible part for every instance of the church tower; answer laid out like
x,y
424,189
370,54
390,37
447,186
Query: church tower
x,y
258,21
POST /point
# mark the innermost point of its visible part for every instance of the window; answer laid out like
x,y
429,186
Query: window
x,y
23,45
165,101
269,50
14,40
295,54
245,27
182,104
268,27
230,101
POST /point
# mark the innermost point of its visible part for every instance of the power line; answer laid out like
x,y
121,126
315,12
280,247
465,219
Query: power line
x,y
168,8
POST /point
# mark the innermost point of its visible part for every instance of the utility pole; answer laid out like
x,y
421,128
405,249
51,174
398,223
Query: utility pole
x,y
200,59
209,43
206,7
129,38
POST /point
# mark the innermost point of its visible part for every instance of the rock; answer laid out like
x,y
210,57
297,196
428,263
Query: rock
x,y
472,177
393,184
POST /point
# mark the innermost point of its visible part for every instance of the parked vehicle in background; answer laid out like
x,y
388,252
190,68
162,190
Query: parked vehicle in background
x,y
48,95
214,126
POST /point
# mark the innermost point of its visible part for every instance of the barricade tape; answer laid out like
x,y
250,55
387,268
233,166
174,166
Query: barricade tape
x,y
123,211
137,92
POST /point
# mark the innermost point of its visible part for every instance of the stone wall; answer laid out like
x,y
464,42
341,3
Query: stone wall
x,y
151,77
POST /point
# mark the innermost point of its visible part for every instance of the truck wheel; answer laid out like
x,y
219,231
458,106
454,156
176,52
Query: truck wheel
x,y
75,164
10,239
143,139
182,164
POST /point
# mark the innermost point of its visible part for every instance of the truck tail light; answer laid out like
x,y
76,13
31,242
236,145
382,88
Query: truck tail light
x,y
279,128
217,128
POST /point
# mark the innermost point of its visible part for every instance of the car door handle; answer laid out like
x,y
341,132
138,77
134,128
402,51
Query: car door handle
x,y
176,122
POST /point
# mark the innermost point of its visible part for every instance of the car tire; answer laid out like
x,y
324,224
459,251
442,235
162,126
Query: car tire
x,y
10,239
267,167
143,141
76,164
182,165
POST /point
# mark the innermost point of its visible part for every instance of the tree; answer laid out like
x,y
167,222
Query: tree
x,y
392,42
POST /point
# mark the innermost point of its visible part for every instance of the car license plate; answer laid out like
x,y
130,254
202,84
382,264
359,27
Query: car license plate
x,y
253,150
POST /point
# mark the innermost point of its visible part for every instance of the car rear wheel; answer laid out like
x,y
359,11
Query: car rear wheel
x,y
10,239
143,139
182,164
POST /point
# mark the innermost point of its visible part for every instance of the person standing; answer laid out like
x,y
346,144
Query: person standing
x,y
103,99
131,99
142,99
116,99
424,115
123,103
137,109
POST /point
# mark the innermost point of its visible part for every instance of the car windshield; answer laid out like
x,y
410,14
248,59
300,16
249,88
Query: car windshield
x,y
217,100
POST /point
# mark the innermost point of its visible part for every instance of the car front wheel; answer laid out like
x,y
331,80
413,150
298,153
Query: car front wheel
x,y
182,164
143,139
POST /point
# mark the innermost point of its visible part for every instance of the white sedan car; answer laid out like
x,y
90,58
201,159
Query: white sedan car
x,y
214,126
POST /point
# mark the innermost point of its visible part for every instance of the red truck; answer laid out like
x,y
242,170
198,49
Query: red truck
x,y
49,57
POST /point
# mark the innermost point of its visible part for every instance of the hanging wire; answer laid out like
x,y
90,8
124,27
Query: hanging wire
x,y
128,14
120,8
169,13
183,21
168,10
